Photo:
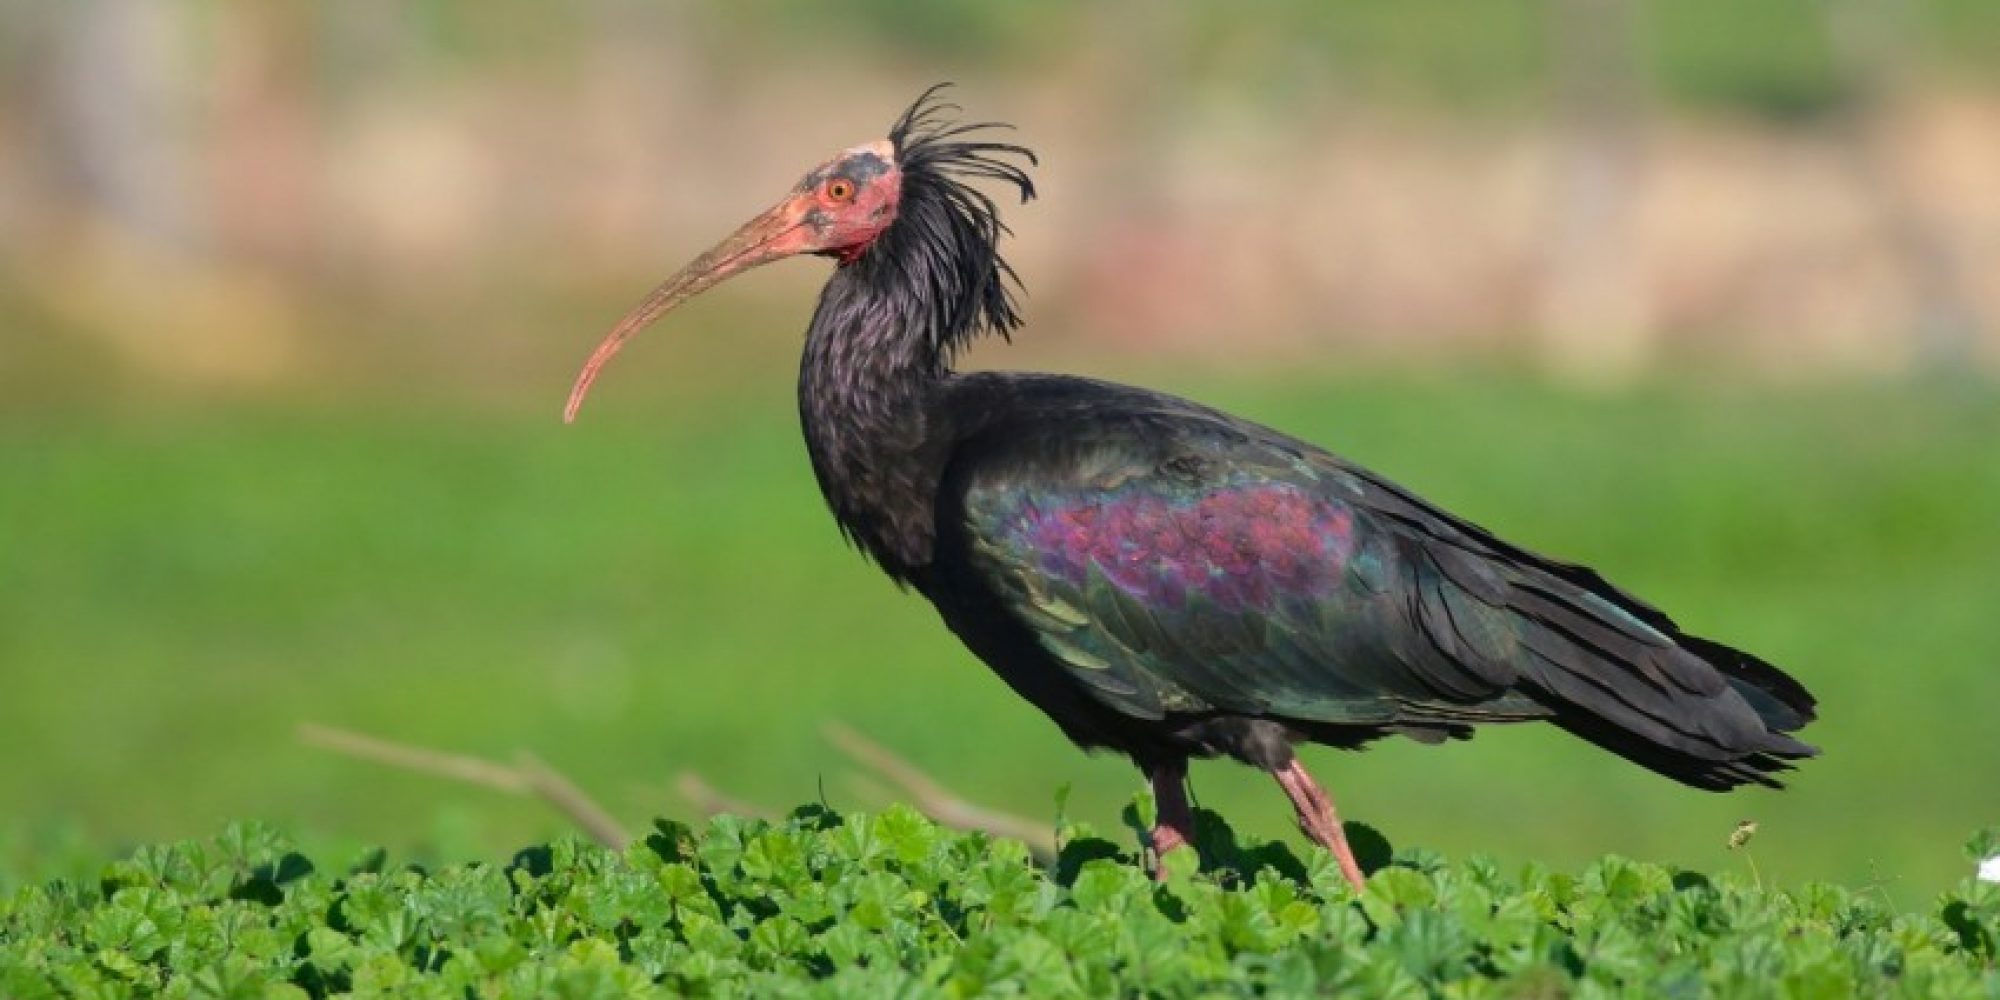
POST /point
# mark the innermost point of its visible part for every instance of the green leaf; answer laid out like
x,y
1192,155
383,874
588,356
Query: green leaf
x,y
907,833
1393,892
1106,885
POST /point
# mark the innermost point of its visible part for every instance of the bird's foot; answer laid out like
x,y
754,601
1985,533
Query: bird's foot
x,y
1165,840
1175,828
1319,820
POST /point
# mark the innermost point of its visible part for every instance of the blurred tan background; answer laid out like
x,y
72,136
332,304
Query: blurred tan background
x,y
1804,187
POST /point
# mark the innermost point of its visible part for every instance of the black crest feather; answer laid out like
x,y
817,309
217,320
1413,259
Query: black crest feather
x,y
947,233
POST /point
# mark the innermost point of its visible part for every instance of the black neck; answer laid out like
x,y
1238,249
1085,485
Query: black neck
x,y
881,342
866,386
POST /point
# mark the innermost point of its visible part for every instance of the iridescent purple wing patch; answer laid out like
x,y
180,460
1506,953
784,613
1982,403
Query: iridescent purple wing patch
x,y
1240,546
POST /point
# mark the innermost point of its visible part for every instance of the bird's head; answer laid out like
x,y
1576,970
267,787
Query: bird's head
x,y
848,206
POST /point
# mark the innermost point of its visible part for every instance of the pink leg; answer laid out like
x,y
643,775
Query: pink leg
x,y
1175,828
1317,818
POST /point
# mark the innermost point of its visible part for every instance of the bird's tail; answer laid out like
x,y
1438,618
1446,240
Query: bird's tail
x,y
1712,745
1598,661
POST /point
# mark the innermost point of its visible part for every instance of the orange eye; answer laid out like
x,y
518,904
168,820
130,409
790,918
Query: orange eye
x,y
840,189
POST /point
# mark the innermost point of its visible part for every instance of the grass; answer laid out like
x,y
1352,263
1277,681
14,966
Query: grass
x,y
660,589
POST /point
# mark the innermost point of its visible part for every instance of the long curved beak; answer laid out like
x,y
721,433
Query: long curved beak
x,y
782,231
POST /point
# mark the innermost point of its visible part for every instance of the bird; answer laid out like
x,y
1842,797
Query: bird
x,y
1165,580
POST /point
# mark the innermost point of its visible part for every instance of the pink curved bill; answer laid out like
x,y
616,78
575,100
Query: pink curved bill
x,y
761,240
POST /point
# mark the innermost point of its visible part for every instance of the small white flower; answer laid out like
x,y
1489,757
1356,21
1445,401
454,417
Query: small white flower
x,y
1989,869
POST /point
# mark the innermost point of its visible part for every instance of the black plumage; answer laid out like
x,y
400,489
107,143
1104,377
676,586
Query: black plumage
x,y
1168,581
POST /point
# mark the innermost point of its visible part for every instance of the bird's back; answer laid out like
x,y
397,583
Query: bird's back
x,y
1140,565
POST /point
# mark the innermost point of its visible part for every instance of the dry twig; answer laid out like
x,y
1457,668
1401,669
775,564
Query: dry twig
x,y
704,797
528,776
935,800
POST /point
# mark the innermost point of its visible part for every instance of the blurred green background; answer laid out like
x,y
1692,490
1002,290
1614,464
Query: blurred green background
x,y
1700,293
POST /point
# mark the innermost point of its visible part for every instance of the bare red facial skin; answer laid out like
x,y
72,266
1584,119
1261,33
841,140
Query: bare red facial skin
x,y
839,210
857,194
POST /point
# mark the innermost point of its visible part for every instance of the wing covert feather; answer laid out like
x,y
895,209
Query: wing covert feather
x,y
1220,573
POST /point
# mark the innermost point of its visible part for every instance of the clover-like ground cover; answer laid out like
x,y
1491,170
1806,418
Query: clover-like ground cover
x,y
892,905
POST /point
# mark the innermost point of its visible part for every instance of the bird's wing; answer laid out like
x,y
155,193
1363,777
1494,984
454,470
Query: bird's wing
x,y
1177,560
1173,567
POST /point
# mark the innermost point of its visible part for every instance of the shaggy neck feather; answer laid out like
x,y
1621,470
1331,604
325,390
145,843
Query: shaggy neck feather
x,y
866,382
